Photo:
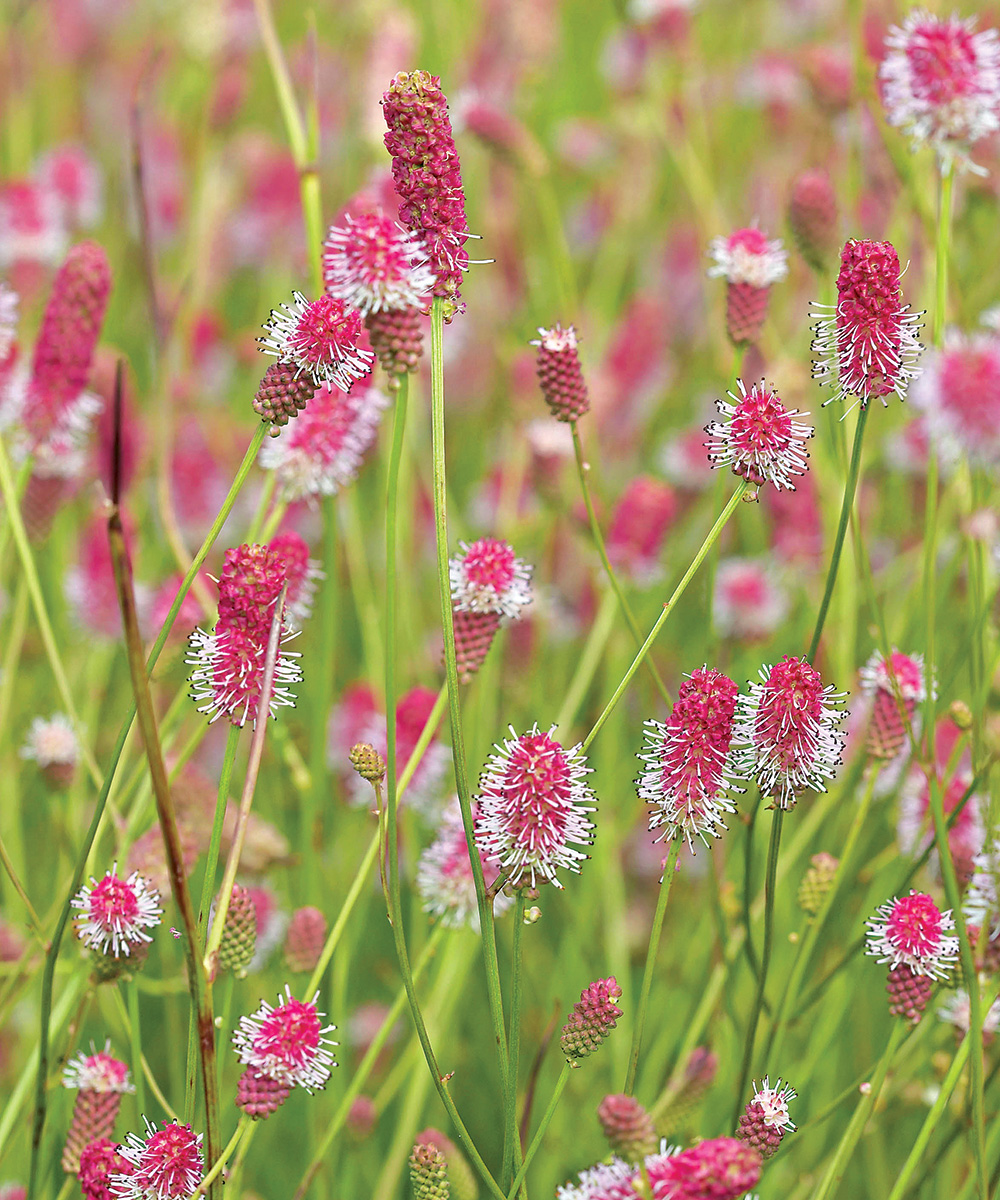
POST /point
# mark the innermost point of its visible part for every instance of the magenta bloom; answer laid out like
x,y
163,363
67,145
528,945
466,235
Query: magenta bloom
x,y
533,805
717,1169
97,1072
229,661
748,602
167,1165
373,263
560,373
758,438
959,393
900,681
607,1181
100,1159
427,175
639,525
913,932
941,82
288,1044
688,768
444,875
787,731
765,1121
487,577
868,346
116,912
750,264
320,337
593,1017
302,573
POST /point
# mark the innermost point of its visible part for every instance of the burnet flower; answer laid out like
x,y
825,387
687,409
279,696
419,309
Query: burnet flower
x,y
560,374
99,1160
895,688
721,1168
748,602
533,806
489,585
374,263
812,215
639,526
867,346
115,913
758,438
605,1181
591,1019
914,937
166,1165
787,736
100,1080
303,574
444,875
941,83
688,769
627,1126
320,337
958,392
750,264
53,744
765,1121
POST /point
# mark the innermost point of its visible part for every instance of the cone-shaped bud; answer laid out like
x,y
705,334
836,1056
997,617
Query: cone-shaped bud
x,y
304,939
908,992
367,761
397,338
282,394
474,633
101,1080
99,1160
560,374
764,1121
627,1126
428,1172
593,1017
259,1095
816,882
239,934
812,215
461,1176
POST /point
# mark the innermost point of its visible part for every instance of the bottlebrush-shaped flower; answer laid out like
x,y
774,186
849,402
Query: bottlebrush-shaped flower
x,y
895,687
320,337
764,1121
32,229
99,1160
281,395
941,82
688,768
302,572
166,1165
913,932
750,264
533,804
812,215
115,913
759,439
373,263
786,733
287,1043
487,577
592,1018
101,1081
444,875
229,661
958,392
717,1169
98,1071
560,374
868,345
322,452
427,176
606,1181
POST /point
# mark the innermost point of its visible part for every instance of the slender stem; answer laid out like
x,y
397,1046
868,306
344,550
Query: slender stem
x,y
513,1042
770,878
221,802
582,469
850,488
543,1125
135,1040
8,866
748,946
588,661
242,1125
679,590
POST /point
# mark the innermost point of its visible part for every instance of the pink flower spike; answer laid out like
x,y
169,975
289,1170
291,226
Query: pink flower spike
x,y
717,1169
288,1043
759,439
913,932
486,577
958,392
374,264
592,1018
444,875
99,1160
167,1165
688,766
98,1071
533,805
320,337
900,681
764,1121
560,374
746,256
868,345
786,731
941,83
302,572
116,912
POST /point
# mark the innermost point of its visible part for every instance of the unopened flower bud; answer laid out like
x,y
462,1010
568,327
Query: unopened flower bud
x,y
961,714
627,1127
239,934
560,374
593,1017
282,394
367,761
428,1173
461,1176
816,882
304,939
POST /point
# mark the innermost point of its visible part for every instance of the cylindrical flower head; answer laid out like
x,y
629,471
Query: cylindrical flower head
x,y
374,264
913,932
717,1169
868,345
687,771
639,526
304,939
115,913
367,761
239,933
102,1081
166,1165
487,577
758,438
397,337
428,1173
302,573
287,1043
259,1095
908,992
787,731
941,82
592,1018
282,394
99,1160
320,337
444,875
627,1126
816,882
900,681
750,264
533,803
765,1119
229,661
958,391
463,1180
812,215
560,373
427,176
323,450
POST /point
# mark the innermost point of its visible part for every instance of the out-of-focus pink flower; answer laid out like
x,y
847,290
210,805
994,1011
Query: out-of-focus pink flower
x,y
747,603
31,225
958,392
639,526
70,174
750,264
444,875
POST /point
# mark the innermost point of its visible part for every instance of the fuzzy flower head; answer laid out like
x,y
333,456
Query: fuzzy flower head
x,y
302,573
958,392
746,256
487,578
51,742
115,913
898,681
374,264
322,452
592,1018
607,1181
941,83
288,1043
787,731
320,337
716,1169
759,438
166,1165
99,1160
687,767
533,808
444,875
773,1103
98,1071
868,346
913,932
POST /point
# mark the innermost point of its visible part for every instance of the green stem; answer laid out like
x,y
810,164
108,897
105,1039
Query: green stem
x,y
8,866
242,1125
588,661
513,1042
135,1040
669,870
696,562
222,800
748,946
543,1125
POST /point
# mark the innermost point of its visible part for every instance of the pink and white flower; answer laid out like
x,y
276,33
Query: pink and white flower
x,y
759,438
747,602
444,875
958,393
487,577
166,1165
116,912
287,1043
915,933
374,263
320,337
